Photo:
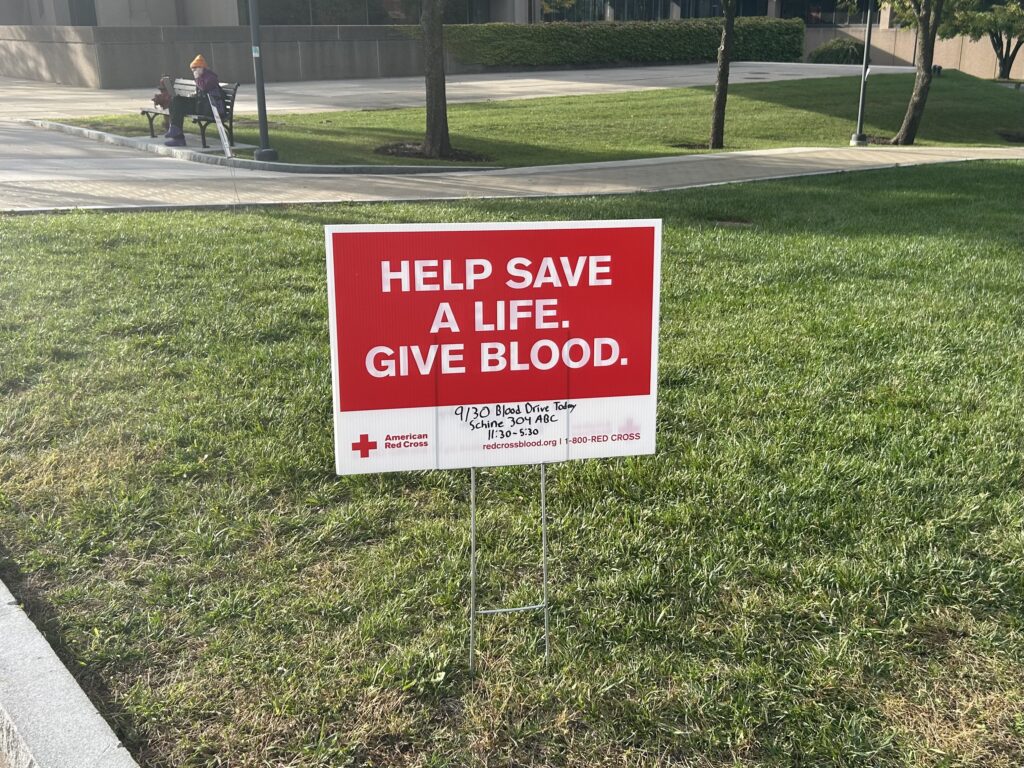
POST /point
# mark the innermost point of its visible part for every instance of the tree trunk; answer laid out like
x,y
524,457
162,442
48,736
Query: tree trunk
x,y
1007,56
1004,68
717,140
915,109
436,142
928,19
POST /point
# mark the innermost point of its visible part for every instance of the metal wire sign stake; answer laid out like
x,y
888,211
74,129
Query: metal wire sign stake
x,y
544,605
461,346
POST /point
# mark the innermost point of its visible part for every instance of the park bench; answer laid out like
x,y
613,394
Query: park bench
x,y
187,88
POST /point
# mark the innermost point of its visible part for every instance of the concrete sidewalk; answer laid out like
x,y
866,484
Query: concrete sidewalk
x,y
46,721
66,172
42,170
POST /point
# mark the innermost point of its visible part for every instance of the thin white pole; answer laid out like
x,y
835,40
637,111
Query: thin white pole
x,y
472,570
544,545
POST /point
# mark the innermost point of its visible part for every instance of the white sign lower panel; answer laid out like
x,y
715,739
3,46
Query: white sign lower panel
x,y
494,434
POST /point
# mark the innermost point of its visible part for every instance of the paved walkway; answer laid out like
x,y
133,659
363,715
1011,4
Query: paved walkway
x,y
66,174
45,170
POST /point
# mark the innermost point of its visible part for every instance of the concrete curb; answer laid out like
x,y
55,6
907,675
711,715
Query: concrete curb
x,y
46,720
251,165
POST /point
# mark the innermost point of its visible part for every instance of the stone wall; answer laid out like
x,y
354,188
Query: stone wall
x,y
129,57
53,54
899,46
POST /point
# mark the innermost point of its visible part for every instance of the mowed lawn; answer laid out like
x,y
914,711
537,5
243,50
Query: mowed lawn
x,y
822,565
579,129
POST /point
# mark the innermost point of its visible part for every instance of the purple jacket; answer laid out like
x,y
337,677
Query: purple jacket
x,y
209,83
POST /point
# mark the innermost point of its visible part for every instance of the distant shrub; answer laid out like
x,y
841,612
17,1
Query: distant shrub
x,y
838,50
633,42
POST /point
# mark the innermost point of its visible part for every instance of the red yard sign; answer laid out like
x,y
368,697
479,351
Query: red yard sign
x,y
490,344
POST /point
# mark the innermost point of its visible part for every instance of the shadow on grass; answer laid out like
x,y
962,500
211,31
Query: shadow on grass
x,y
961,109
899,202
329,147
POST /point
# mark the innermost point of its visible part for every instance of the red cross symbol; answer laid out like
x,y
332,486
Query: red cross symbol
x,y
364,446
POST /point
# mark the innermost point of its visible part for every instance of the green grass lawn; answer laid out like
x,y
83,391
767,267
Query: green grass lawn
x,y
578,129
822,566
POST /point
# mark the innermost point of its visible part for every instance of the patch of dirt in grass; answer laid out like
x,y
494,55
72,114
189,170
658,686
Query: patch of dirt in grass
x,y
409,149
883,140
959,707
249,122
1017,137
689,145
68,470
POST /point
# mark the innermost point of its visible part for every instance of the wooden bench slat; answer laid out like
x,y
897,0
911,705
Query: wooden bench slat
x,y
184,87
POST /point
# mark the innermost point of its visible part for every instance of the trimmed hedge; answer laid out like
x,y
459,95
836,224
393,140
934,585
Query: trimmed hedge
x,y
761,39
636,42
838,50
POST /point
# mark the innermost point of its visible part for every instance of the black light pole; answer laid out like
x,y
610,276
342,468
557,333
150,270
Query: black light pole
x,y
264,152
859,139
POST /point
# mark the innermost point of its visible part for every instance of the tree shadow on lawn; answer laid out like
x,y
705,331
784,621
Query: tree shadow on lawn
x,y
297,148
898,202
902,202
961,109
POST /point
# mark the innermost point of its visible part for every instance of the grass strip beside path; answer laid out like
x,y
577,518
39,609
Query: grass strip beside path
x,y
821,566
582,129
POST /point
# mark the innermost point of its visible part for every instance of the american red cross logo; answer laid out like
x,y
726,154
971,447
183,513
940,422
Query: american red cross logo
x,y
364,445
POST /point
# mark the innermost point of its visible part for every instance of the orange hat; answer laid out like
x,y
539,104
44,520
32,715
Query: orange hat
x,y
198,61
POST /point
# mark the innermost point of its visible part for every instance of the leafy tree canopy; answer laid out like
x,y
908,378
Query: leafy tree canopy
x,y
979,18
1001,22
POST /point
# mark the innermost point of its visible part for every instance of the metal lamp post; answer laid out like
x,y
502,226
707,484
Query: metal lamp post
x,y
264,152
859,139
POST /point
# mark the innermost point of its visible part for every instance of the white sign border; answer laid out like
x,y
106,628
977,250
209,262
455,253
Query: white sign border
x,y
331,229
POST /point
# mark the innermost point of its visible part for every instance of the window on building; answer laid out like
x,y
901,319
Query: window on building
x,y
349,12
82,12
824,12
752,8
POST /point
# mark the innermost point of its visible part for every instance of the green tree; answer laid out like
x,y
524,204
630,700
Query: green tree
x,y
1002,23
717,140
927,16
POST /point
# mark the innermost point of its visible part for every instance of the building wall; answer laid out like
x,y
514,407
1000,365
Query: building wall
x,y
210,13
129,57
54,12
14,12
899,46
166,13
136,13
124,13
53,54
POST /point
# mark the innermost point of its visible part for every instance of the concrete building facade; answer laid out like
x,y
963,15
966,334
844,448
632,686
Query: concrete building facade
x,y
131,43
120,13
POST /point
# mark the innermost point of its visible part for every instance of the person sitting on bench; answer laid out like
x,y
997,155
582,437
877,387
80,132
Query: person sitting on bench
x,y
207,89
